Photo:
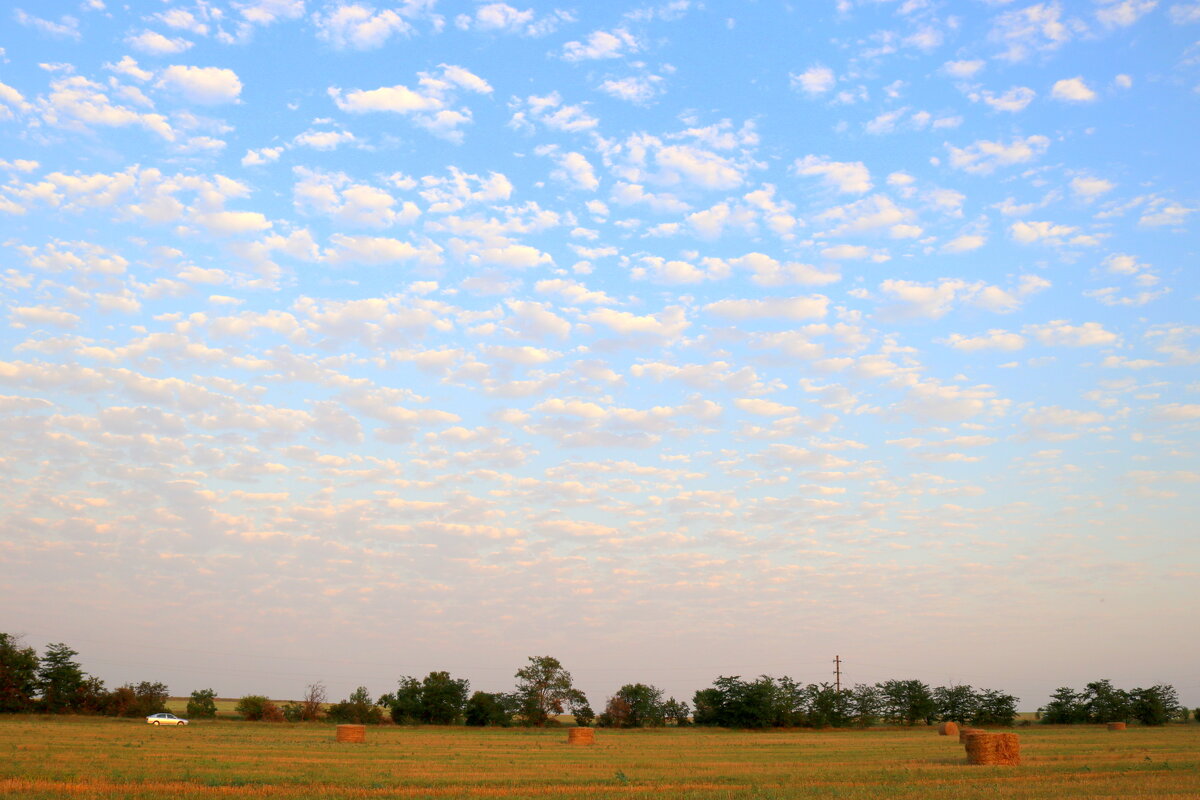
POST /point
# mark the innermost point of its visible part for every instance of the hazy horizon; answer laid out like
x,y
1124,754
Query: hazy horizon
x,y
348,340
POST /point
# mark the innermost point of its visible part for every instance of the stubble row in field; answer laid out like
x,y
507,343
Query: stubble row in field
x,y
104,758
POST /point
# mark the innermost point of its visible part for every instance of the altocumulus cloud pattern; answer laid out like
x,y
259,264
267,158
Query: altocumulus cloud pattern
x,y
681,337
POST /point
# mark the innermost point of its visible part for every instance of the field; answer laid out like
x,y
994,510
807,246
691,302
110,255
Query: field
x,y
107,758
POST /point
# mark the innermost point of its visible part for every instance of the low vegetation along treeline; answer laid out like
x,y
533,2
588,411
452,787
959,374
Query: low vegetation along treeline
x,y
55,683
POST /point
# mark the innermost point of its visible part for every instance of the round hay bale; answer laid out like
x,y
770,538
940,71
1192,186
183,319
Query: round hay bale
x,y
948,729
581,736
963,733
997,749
351,733
1116,726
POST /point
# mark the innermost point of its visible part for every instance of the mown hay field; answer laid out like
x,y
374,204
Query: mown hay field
x,y
42,757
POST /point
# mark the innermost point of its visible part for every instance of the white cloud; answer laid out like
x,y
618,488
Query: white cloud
x,y
670,323
1028,232
964,244
913,300
985,157
1060,333
1185,13
429,104
1012,101
378,250
359,27
1091,187
794,308
601,45
323,140
1039,27
963,69
205,85
847,177
67,26
550,111
264,155
1072,90
638,89
155,44
1178,412
1124,13
814,80
575,169
995,339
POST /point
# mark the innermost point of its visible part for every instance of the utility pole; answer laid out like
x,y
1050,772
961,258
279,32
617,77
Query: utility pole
x,y
837,672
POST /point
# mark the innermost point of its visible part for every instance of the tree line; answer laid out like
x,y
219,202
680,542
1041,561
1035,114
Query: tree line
x,y
56,683
1100,702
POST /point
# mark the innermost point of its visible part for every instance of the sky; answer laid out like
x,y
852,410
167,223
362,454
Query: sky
x,y
345,341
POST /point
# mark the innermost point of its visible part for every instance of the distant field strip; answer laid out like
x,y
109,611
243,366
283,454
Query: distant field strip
x,y
105,758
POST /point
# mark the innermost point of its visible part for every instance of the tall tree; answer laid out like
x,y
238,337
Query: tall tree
x,y
1065,708
635,705
1154,706
543,690
18,675
994,708
955,703
1106,703
60,679
443,698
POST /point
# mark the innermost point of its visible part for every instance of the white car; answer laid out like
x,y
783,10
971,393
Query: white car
x,y
165,719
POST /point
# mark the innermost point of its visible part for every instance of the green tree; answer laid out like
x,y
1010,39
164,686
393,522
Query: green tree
x,y
443,698
866,704
152,697
907,702
707,705
1065,708
994,708
955,703
735,703
636,705
485,708
18,675
357,709
405,704
1154,706
677,712
580,708
543,690
202,704
1105,703
828,707
61,681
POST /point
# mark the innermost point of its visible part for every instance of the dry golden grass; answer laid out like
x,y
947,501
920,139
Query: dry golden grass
x,y
100,758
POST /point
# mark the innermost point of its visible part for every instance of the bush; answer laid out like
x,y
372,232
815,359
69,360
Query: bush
x,y
142,700
358,709
487,709
255,708
202,704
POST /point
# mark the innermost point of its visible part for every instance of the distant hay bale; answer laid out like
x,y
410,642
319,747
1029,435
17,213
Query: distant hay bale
x,y
948,729
963,733
351,733
1116,726
581,736
997,749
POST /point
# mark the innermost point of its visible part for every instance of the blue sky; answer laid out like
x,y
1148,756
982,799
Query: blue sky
x,y
344,341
